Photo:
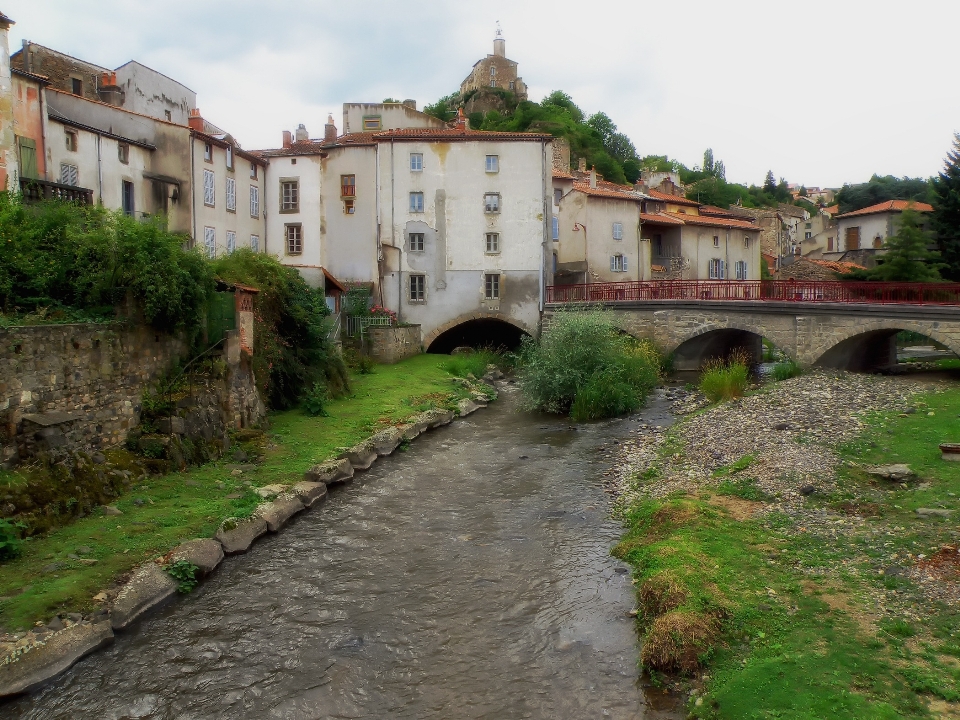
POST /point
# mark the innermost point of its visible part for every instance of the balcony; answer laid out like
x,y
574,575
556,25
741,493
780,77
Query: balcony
x,y
348,191
36,190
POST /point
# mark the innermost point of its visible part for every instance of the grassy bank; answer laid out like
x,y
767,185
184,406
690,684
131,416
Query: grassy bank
x,y
63,570
843,604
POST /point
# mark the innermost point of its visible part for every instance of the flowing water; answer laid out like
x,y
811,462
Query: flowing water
x,y
468,577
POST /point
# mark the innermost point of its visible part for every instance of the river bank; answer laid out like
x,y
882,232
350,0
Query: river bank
x,y
780,575
76,572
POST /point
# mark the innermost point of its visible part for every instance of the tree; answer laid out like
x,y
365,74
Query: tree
x,y
908,257
720,171
708,166
803,191
880,189
604,126
946,210
770,183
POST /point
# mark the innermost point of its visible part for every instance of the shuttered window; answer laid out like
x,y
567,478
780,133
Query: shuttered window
x,y
210,241
254,201
231,241
69,175
618,263
718,269
28,158
231,195
556,228
741,269
255,243
618,231
209,194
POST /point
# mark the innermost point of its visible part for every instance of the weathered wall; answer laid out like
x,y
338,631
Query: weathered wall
x,y
9,167
95,372
393,344
28,118
306,170
151,93
393,116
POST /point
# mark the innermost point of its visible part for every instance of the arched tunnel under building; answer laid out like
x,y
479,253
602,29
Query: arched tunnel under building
x,y
481,333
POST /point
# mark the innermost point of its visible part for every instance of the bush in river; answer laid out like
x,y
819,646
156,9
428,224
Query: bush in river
x,y
725,380
584,366
786,370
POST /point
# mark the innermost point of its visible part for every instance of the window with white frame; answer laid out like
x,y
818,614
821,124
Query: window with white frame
x,y
416,162
254,201
253,171
491,202
255,243
491,286
493,242
209,191
416,202
418,288
555,231
231,241
716,241
741,269
290,196
807,235
493,163
717,269
208,152
618,263
229,157
69,174
210,241
294,239
746,241
416,242
231,195
618,231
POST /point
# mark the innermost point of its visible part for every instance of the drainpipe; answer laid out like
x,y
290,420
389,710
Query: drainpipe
x,y
547,211
193,196
393,240
99,170
639,234
726,256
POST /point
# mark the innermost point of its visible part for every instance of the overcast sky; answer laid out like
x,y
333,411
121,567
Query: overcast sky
x,y
822,93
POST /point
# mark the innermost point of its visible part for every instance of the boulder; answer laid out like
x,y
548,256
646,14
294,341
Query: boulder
x,y
437,417
30,669
279,511
236,536
361,456
205,553
386,441
269,491
330,472
310,492
480,399
410,431
149,586
897,473
465,407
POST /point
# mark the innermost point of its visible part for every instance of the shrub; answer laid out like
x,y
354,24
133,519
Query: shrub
x,y
725,380
786,370
11,545
185,573
678,641
315,401
357,361
474,363
581,353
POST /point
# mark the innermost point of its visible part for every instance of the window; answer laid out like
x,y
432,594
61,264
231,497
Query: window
x,y
28,158
255,243
371,122
808,225
71,139
556,229
807,235
123,153
852,238
349,207
557,194
253,171
717,269
418,288
493,163
208,152
493,71
493,242
416,162
210,241
618,231
416,202
294,235
491,202
69,175
513,85
741,269
746,241
126,198
716,241
491,286
231,241
348,186
254,201
618,263
231,195
209,196
878,242
289,196
229,157
168,115
829,244
76,86
658,245
416,242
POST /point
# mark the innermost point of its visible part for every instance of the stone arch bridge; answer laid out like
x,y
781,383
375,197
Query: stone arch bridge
x,y
848,335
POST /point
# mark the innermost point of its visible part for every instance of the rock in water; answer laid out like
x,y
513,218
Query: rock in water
x,y
149,586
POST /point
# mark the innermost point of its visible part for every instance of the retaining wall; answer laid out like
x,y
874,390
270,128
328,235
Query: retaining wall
x,y
392,344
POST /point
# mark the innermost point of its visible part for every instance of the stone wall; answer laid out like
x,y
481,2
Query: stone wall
x,y
392,344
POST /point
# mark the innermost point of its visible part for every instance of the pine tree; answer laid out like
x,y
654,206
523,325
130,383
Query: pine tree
x,y
946,210
708,161
770,183
908,257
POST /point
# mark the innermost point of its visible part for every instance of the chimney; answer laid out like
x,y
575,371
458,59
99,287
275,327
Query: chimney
x,y
462,123
329,130
195,120
302,135
593,177
582,165
287,139
412,104
26,55
109,92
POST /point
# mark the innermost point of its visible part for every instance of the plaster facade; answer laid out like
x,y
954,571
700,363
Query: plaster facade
x,y
29,124
151,93
374,117
9,166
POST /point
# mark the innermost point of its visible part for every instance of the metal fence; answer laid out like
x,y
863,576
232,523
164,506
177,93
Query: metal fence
x,y
356,325
825,291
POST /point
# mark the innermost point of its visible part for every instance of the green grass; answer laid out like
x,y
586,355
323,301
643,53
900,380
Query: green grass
x,y
474,363
786,370
800,634
182,506
724,382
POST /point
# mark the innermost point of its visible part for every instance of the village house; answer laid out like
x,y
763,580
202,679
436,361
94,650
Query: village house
x,y
819,235
862,234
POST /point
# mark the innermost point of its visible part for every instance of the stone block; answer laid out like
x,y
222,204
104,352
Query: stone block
x,y
277,513
386,441
205,553
236,536
149,586
465,407
361,456
310,493
330,472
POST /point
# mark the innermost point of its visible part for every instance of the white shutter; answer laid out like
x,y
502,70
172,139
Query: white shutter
x,y
723,270
210,241
255,243
231,241
624,263
69,175
613,263
618,231
209,196
231,194
254,201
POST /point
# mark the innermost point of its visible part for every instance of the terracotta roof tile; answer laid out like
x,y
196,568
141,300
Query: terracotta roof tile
x,y
562,175
456,134
714,221
890,206
606,192
660,218
674,199
841,267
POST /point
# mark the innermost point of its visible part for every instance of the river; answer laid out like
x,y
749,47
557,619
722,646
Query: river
x,y
468,577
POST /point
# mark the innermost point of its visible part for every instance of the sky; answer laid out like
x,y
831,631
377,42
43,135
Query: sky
x,y
821,93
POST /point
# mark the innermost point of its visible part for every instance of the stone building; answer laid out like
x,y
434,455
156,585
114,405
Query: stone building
x,y
495,71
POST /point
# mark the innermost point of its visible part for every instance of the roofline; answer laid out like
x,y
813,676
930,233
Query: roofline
x,y
41,79
513,137
58,52
97,131
861,212
285,152
245,154
118,109
155,71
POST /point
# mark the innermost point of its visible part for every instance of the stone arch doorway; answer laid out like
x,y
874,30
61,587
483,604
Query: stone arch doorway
x,y
492,331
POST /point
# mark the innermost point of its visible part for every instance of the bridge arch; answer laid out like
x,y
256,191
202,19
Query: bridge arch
x,y
477,329
716,340
872,345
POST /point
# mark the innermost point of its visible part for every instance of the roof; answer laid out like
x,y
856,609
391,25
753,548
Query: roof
x,y
42,79
659,218
837,266
453,134
56,116
220,142
833,209
890,206
714,211
303,147
331,280
728,223
562,174
113,107
674,199
155,72
607,192
227,286
6,20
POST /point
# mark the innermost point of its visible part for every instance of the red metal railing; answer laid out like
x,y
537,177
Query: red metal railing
x,y
818,291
